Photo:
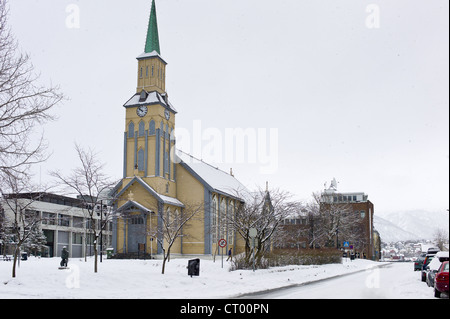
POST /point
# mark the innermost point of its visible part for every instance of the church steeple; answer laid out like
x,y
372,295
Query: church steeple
x,y
152,41
152,67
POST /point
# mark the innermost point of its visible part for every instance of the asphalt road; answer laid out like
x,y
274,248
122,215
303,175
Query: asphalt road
x,y
393,281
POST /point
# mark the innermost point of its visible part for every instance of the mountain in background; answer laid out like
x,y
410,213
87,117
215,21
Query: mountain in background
x,y
410,225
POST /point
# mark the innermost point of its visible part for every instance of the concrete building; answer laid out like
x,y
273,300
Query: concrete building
x,y
62,221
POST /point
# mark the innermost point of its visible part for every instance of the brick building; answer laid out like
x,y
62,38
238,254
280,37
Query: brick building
x,y
358,222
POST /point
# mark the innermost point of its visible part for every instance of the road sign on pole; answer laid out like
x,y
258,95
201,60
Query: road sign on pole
x,y
222,244
346,244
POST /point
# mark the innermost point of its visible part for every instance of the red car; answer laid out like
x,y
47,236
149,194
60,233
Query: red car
x,y
441,281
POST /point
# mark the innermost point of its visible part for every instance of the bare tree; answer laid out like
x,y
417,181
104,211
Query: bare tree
x,y
18,197
330,221
264,211
440,237
170,228
91,185
24,105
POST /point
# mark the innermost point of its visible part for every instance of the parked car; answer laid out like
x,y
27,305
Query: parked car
x,y
432,250
428,259
434,266
441,281
419,262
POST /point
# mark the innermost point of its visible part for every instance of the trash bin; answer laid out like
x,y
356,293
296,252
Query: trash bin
x,y
194,267
24,256
109,253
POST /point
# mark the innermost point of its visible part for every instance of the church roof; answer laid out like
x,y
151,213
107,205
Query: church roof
x,y
161,198
152,98
152,40
213,178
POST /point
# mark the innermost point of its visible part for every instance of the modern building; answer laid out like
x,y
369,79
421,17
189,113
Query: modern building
x,y
62,220
161,184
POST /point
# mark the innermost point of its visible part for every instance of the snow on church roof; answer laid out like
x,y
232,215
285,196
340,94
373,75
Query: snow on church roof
x,y
153,97
214,178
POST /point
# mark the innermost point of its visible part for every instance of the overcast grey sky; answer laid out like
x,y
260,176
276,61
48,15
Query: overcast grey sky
x,y
365,103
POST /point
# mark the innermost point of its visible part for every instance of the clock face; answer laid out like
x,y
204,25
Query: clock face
x,y
167,114
141,111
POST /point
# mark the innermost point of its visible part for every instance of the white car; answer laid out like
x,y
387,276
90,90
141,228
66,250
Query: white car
x,y
434,265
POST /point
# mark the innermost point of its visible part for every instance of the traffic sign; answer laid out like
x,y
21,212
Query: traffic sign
x,y
222,243
346,244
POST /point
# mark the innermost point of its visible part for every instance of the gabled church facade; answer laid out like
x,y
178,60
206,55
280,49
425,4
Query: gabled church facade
x,y
159,182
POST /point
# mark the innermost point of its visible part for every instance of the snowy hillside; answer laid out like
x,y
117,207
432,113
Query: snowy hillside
x,y
413,225
390,232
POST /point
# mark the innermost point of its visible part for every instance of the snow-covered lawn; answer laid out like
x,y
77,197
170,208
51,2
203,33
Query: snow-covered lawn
x,y
41,278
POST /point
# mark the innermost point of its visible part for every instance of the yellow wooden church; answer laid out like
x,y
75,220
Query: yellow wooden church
x,y
160,184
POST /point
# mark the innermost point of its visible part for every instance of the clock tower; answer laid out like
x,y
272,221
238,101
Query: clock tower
x,y
150,120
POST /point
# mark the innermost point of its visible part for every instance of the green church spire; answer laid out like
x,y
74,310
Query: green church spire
x,y
152,43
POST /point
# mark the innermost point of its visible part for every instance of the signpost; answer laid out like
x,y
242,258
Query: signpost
x,y
222,244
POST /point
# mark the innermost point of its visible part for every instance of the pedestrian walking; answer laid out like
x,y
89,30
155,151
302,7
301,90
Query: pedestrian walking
x,y
64,257
230,255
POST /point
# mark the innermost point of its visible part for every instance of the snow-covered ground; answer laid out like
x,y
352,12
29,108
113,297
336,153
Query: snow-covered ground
x,y
41,278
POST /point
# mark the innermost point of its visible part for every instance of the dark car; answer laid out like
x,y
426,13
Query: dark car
x,y
419,262
441,281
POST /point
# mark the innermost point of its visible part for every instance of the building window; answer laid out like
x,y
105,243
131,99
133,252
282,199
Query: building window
x,y
363,213
131,130
64,220
146,71
141,128
140,74
153,70
137,221
77,239
152,128
166,162
167,217
141,160
230,217
78,222
214,220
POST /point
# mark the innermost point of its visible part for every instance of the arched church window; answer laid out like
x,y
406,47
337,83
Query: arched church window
x,y
213,230
152,128
131,130
176,217
141,160
167,219
166,162
230,218
141,128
